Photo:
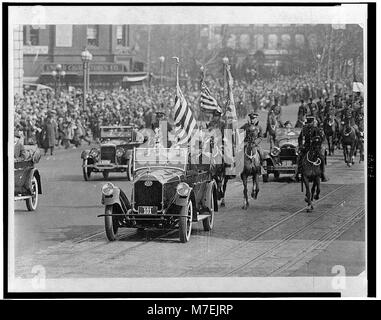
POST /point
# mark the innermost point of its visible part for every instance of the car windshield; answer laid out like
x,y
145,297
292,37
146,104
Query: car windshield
x,y
284,135
159,157
116,132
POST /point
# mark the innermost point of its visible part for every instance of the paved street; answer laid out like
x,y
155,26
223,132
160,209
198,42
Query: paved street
x,y
274,237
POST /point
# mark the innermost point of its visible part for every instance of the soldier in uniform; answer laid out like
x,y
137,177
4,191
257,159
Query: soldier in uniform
x,y
302,113
320,106
313,110
310,131
253,130
277,109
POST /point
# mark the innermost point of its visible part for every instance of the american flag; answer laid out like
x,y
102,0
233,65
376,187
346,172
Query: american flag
x,y
207,102
185,123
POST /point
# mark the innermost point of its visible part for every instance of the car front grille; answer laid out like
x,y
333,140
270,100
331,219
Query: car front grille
x,y
108,153
147,195
287,152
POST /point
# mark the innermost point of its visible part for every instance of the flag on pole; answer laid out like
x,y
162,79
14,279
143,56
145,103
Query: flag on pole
x,y
185,123
207,102
231,114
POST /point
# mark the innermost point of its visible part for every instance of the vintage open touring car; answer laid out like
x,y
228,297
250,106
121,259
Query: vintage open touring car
x,y
115,153
27,178
282,158
170,191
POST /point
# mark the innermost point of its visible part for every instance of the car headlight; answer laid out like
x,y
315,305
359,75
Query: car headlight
x,y
108,189
182,189
275,151
94,153
119,152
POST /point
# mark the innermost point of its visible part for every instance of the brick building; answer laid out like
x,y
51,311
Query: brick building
x,y
45,46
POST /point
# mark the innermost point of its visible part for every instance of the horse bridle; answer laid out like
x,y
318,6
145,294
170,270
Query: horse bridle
x,y
315,163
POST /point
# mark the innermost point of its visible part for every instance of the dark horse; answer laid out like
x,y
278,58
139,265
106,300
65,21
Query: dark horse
x,y
251,167
272,125
218,171
330,131
349,143
360,138
311,172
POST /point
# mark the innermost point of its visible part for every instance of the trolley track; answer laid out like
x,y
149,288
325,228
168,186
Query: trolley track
x,y
262,233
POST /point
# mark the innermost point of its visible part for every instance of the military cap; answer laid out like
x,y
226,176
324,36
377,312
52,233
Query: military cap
x,y
253,115
160,113
217,112
287,122
310,119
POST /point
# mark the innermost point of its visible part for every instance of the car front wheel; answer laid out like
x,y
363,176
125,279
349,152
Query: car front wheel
x,y
32,202
209,222
185,223
111,223
86,171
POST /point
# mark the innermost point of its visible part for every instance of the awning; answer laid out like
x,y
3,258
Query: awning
x,y
136,78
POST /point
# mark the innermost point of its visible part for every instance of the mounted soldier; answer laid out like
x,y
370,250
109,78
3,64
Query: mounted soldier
x,y
313,110
253,131
309,132
302,113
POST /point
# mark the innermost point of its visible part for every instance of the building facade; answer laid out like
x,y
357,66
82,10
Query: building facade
x,y
46,46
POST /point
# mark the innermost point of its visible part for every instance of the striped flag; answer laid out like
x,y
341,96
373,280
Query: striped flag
x,y
207,102
185,123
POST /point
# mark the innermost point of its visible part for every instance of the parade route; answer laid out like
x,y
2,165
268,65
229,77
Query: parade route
x,y
274,237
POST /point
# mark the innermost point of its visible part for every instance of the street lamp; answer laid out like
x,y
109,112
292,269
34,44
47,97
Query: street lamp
x,y
86,57
161,59
57,75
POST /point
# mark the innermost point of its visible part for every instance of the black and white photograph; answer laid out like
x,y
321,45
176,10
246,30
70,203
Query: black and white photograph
x,y
187,148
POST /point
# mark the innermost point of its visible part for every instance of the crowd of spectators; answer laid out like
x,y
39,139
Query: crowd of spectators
x,y
48,119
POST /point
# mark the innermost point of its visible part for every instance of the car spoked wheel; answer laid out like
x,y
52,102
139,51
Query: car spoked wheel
x,y
86,171
185,223
32,202
111,223
129,170
209,222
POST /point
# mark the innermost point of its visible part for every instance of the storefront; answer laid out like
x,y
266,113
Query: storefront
x,y
102,76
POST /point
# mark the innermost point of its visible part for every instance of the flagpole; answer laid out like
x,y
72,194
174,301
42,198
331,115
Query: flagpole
x,y
177,71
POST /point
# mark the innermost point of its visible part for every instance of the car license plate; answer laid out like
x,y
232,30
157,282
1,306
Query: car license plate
x,y
105,161
147,210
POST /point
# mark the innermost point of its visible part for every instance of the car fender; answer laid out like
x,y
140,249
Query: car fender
x,y
28,182
183,201
207,198
119,198
85,154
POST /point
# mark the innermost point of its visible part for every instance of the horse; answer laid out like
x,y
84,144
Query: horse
x,y
251,167
330,131
348,139
217,170
360,138
272,125
311,172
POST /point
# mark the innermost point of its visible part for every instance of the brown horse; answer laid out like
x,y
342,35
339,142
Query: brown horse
x,y
330,131
349,143
311,172
251,167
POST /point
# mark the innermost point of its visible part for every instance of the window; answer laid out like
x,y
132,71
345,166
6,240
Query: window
x,y
299,40
273,42
258,42
120,35
31,35
92,35
286,40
